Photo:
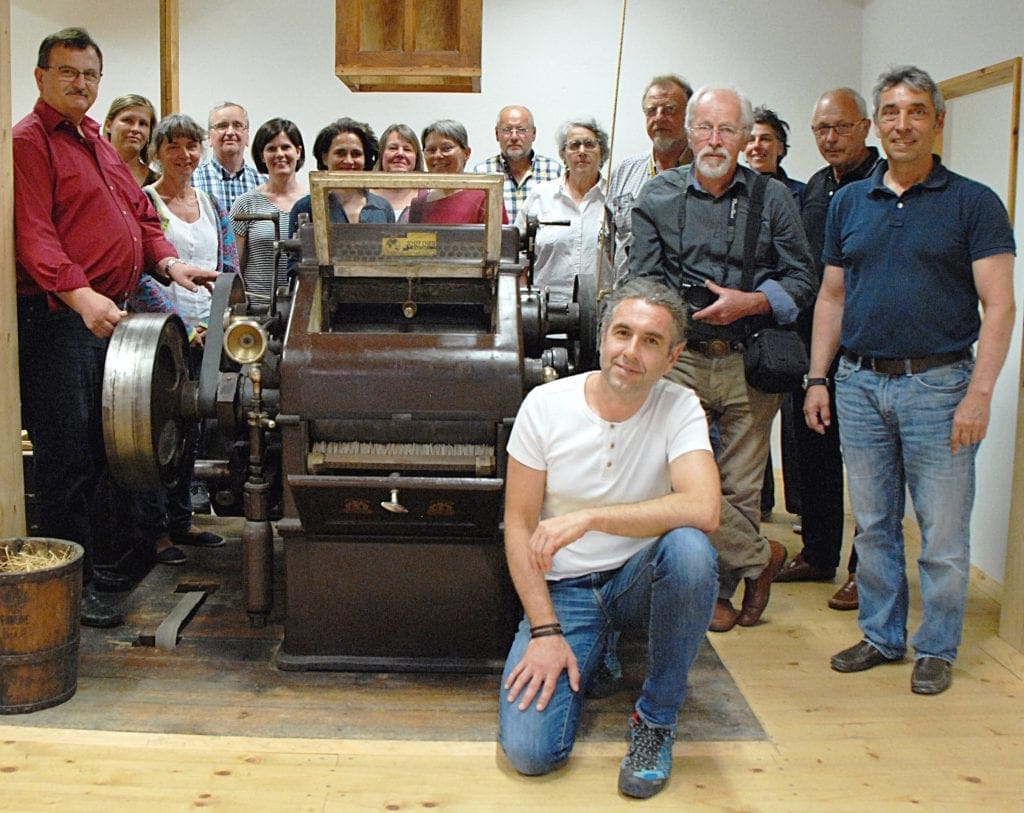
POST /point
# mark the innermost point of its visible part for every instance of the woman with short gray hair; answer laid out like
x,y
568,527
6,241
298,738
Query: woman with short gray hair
x,y
446,149
569,211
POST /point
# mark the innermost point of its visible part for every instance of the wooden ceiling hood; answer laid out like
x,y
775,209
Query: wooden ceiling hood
x,y
409,45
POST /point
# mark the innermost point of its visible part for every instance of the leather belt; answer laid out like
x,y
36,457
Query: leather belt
x,y
906,366
715,348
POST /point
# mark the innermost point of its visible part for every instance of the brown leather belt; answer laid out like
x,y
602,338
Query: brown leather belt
x,y
906,366
714,348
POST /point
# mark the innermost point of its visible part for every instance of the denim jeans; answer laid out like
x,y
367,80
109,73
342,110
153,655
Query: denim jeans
x,y
668,589
895,431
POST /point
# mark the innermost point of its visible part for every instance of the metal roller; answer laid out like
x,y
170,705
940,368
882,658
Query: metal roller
x,y
144,427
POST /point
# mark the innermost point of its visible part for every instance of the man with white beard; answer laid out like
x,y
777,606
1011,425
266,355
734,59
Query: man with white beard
x,y
689,230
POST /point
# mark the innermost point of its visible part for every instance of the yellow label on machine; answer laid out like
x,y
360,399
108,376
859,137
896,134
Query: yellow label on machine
x,y
414,244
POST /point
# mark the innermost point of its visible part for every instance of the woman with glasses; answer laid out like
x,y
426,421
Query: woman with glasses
x,y
573,209
399,152
129,128
446,149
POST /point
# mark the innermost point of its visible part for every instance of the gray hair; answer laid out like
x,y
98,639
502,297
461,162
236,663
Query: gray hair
x,y
447,128
176,125
862,107
911,76
562,135
746,109
221,106
652,292
668,79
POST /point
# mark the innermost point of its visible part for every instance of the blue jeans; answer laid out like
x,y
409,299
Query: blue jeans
x,y
669,590
895,431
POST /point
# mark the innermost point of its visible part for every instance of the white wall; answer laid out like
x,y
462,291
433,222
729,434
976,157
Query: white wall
x,y
947,39
560,60
279,61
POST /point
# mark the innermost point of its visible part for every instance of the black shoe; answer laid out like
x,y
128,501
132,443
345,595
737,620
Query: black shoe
x,y
95,613
171,556
859,657
931,676
200,497
197,539
108,581
604,683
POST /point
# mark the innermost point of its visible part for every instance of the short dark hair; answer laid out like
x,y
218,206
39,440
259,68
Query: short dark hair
x,y
177,125
912,77
652,292
76,38
360,129
270,130
765,115
404,132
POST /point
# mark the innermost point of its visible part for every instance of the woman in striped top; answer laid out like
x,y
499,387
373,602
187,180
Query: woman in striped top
x,y
261,216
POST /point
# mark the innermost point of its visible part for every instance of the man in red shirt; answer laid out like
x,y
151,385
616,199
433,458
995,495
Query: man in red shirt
x,y
84,234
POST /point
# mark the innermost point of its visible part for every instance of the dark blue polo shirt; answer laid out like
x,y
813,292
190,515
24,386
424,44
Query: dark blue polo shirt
x,y
907,260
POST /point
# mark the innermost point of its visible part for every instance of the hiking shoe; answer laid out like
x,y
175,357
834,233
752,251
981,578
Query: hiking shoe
x,y
648,763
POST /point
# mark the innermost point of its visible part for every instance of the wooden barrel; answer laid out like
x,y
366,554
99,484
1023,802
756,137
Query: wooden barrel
x,y
39,627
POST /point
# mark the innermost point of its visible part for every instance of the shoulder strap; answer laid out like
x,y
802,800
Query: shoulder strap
x,y
753,227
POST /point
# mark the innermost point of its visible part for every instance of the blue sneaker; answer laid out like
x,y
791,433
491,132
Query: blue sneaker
x,y
646,767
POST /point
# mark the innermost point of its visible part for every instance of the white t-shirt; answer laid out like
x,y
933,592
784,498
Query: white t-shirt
x,y
591,462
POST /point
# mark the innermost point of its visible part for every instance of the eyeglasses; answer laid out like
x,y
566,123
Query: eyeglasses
x,y
510,131
844,128
69,74
665,109
224,126
581,143
444,149
726,132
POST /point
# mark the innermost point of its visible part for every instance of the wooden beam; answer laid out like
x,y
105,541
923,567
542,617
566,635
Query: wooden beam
x,y
170,97
12,485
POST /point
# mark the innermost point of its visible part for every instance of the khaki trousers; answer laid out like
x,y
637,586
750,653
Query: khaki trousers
x,y
744,417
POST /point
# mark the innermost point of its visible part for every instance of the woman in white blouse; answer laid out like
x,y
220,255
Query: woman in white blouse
x,y
564,252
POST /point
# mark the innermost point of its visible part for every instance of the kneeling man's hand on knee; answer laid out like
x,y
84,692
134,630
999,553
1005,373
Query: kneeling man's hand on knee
x,y
539,670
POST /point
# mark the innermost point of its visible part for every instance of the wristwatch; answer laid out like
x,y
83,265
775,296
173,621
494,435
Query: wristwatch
x,y
170,264
814,382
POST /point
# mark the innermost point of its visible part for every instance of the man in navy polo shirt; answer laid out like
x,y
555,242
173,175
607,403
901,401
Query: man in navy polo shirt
x,y
909,253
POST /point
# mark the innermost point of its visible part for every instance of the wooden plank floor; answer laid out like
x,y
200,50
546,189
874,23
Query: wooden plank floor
x,y
835,742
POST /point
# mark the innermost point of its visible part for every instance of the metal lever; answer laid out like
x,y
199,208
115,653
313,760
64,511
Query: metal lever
x,y
394,506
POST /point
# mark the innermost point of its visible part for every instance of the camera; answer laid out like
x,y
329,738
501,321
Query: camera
x,y
697,296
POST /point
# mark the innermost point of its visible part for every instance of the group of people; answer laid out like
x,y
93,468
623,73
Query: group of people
x,y
622,510
880,264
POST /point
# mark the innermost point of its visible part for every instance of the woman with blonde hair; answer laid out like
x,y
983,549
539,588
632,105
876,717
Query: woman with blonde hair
x,y
129,129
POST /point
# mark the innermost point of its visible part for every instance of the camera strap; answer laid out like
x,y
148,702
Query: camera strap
x,y
753,228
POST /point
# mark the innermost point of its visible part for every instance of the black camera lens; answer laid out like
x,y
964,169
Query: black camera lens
x,y
698,297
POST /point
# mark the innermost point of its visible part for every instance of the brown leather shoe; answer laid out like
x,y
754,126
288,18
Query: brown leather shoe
x,y
758,591
799,570
725,616
845,597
